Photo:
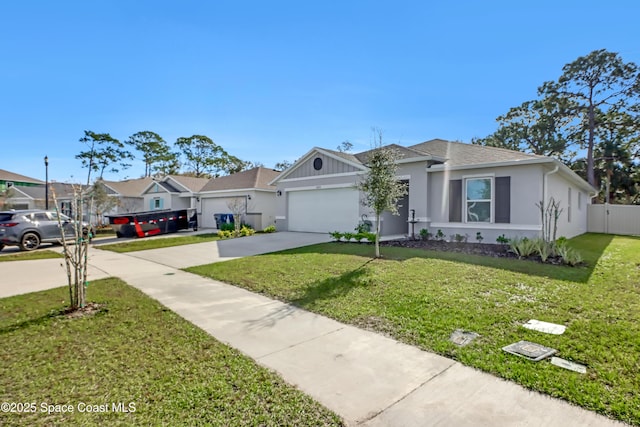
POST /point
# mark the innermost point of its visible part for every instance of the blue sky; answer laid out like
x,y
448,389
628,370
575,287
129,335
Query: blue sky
x,y
269,80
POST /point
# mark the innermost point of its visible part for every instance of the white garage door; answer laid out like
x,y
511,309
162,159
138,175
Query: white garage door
x,y
323,211
211,206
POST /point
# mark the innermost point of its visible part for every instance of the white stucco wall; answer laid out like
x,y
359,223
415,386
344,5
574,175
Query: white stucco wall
x,y
573,202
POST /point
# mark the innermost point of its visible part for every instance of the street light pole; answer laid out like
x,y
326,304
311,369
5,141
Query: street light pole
x,y
46,182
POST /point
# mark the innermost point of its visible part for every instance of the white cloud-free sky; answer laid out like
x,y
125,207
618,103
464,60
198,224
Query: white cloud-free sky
x,y
269,80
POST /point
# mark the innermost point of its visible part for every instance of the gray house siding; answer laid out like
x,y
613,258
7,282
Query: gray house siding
x,y
522,216
330,166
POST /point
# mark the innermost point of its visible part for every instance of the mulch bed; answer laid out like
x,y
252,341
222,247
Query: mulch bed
x,y
486,249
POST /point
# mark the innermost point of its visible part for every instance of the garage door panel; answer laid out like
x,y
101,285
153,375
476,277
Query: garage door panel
x,y
210,207
323,210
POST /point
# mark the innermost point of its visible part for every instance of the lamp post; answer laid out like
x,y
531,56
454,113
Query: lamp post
x,y
46,182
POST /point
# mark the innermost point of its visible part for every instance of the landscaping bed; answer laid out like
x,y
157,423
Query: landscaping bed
x,y
484,249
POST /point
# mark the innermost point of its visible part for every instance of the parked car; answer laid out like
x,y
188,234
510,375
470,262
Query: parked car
x,y
29,228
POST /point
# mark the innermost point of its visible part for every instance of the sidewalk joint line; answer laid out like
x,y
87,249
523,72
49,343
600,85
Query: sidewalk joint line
x,y
299,343
406,395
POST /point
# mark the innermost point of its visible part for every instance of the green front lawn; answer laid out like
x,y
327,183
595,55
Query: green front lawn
x,y
23,256
421,297
135,351
158,242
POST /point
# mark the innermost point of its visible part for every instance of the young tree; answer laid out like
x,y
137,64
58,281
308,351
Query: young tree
x,y
380,188
75,255
101,200
156,153
103,151
599,82
238,207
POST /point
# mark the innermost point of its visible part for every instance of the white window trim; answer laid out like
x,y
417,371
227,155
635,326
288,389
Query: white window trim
x,y
465,178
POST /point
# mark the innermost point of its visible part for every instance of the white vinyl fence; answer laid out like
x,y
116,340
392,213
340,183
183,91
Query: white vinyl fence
x,y
614,219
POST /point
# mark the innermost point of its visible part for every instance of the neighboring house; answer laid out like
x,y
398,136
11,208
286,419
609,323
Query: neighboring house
x,y
128,193
454,187
250,187
10,195
33,197
10,179
172,192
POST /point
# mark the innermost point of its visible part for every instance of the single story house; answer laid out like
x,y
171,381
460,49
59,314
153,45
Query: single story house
x,y
10,195
172,192
250,188
128,194
454,187
33,196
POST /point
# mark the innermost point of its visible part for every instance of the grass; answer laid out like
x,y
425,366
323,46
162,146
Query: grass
x,y
134,351
158,242
420,297
23,256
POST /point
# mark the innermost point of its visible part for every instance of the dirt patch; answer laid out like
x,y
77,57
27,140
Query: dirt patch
x,y
90,309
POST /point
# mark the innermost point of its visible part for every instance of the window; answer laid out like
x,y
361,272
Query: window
x,y
478,199
156,203
317,163
579,200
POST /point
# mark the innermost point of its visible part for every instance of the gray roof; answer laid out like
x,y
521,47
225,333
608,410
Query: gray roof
x,y
5,175
461,154
258,178
129,187
455,153
192,183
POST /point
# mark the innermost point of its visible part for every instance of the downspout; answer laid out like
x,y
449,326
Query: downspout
x,y
544,194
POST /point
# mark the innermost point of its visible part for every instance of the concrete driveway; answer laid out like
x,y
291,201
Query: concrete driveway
x,y
224,250
21,277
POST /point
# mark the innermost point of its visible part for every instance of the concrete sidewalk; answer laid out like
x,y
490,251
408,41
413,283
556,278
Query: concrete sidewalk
x,y
366,378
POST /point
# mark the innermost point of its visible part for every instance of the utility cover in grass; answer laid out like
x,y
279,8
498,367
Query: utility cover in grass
x,y
530,350
572,366
462,338
546,327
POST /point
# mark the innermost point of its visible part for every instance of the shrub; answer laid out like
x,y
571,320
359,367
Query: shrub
x,y
348,236
502,240
336,235
371,237
424,234
479,237
225,234
569,255
269,229
227,226
544,249
359,237
247,231
440,235
522,247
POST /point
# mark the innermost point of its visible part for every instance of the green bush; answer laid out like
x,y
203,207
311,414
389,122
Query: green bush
x,y
336,235
371,237
424,234
569,255
502,240
523,247
227,226
440,235
348,236
269,229
225,234
479,237
247,231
